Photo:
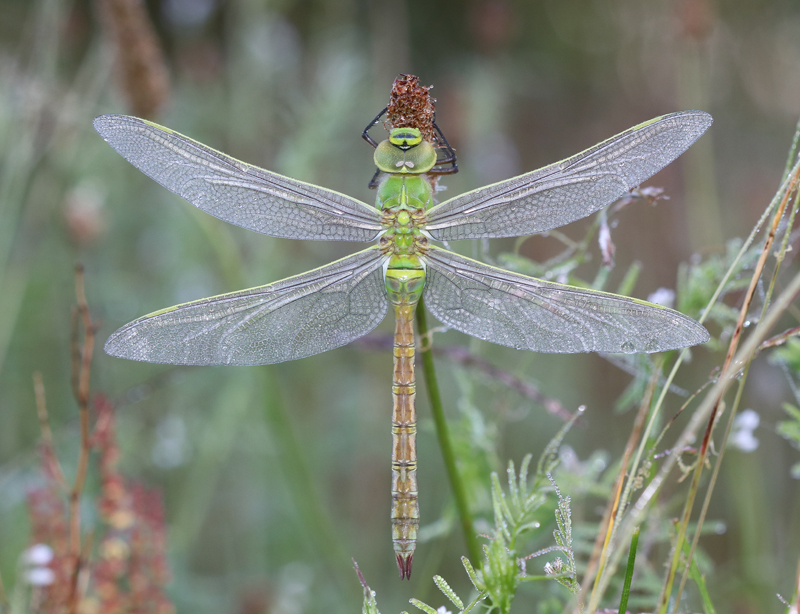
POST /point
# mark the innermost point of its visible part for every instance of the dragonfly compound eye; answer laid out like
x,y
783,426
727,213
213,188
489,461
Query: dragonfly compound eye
x,y
405,138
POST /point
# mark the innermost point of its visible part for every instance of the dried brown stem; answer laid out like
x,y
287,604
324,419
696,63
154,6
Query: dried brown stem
x,y
779,339
712,418
81,372
83,573
762,259
464,358
614,509
47,433
645,500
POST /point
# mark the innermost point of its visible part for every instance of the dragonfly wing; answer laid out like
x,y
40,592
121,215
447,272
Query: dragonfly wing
x,y
571,189
236,192
527,313
286,320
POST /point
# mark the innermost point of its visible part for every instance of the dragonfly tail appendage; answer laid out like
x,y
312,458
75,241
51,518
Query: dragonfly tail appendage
x,y
405,507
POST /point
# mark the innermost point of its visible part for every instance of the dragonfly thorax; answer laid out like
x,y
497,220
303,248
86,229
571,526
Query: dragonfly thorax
x,y
403,199
412,193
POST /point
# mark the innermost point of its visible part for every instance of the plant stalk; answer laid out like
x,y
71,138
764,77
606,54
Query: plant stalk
x,y
626,587
443,436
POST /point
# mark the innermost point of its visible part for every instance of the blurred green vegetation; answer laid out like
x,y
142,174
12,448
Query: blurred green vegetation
x,y
273,477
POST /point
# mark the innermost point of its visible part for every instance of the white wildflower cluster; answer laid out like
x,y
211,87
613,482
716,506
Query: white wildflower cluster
x,y
36,561
742,433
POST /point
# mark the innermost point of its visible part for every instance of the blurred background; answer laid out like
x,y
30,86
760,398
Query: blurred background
x,y
272,478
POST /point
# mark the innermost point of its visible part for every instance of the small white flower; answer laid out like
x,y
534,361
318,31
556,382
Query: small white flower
x,y
40,576
742,434
38,554
443,610
663,296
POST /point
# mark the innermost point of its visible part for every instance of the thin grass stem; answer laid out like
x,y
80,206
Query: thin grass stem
x,y
443,437
720,288
626,587
726,366
81,369
48,444
597,590
648,496
617,505
792,152
735,408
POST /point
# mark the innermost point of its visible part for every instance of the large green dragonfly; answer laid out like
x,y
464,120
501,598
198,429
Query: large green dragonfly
x,y
331,306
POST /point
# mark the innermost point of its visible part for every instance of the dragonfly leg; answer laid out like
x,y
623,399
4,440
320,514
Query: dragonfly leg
x,y
365,134
449,157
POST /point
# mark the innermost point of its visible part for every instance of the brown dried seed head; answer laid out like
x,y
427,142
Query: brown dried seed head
x,y
411,106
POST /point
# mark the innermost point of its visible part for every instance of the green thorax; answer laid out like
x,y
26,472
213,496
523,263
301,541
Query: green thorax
x,y
403,197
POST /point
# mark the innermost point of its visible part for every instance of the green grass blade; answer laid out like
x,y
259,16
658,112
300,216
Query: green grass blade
x,y
626,587
700,581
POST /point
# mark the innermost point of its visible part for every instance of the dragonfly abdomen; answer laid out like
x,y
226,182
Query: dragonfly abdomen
x,y
404,288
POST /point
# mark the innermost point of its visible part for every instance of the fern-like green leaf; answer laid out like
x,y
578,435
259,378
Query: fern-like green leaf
x,y
448,592
421,605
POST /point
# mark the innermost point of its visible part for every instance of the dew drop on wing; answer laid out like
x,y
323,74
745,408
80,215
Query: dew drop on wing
x,y
651,345
627,347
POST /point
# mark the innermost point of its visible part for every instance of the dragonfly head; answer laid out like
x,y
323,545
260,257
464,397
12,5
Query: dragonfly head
x,y
405,152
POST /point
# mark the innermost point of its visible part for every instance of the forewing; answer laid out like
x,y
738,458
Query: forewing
x,y
571,189
289,319
527,313
236,192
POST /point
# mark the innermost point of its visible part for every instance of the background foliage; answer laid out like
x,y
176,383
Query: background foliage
x,y
273,477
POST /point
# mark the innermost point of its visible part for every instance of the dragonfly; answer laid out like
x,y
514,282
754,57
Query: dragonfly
x,y
330,306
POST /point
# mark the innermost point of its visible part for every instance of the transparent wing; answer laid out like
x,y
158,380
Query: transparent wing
x,y
571,189
289,319
527,313
236,192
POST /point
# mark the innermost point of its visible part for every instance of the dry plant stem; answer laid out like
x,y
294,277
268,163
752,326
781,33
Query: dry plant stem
x,y
80,383
597,592
711,484
726,367
592,568
780,339
44,426
720,287
84,574
734,409
614,509
463,357
639,509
